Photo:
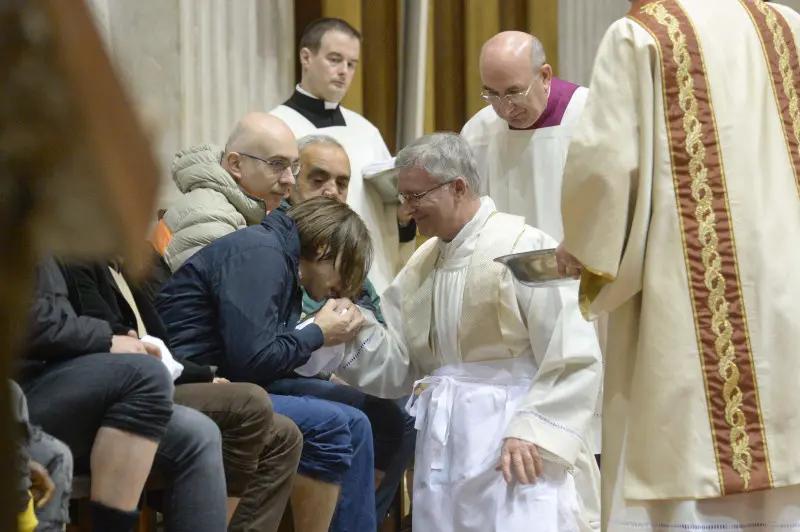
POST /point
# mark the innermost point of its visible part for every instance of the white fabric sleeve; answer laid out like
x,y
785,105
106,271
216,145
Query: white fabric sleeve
x,y
377,361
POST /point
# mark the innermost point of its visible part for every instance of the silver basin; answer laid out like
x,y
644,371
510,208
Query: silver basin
x,y
535,268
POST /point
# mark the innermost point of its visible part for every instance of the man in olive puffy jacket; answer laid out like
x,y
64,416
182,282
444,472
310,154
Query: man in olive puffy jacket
x,y
227,189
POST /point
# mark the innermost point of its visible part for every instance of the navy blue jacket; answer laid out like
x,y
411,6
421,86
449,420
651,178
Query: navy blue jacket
x,y
236,302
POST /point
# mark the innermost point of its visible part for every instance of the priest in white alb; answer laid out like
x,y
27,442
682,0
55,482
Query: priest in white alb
x,y
506,376
330,49
521,139
681,206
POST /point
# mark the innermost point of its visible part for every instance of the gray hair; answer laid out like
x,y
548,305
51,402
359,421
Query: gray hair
x,y
538,57
445,156
316,138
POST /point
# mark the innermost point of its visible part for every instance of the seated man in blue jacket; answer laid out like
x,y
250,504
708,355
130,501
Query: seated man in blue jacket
x,y
235,304
325,171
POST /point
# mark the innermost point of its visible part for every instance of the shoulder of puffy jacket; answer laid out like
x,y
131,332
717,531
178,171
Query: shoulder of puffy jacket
x,y
205,203
200,166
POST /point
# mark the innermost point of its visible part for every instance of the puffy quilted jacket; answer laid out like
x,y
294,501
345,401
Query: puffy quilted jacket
x,y
212,206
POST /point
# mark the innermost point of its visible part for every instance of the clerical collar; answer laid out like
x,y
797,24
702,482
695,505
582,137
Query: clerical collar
x,y
455,247
330,106
316,111
557,101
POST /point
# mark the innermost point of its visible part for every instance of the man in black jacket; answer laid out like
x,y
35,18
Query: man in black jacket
x,y
260,449
109,398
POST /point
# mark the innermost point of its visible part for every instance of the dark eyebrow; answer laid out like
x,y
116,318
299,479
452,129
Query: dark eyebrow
x,y
318,170
337,55
488,89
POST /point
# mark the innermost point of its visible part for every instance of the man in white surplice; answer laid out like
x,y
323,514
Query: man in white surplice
x,y
513,372
520,139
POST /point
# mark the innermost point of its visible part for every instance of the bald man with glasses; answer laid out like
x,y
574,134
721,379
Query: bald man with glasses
x,y
227,189
520,139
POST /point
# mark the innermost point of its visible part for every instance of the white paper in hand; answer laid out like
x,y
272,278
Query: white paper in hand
x,y
323,359
174,367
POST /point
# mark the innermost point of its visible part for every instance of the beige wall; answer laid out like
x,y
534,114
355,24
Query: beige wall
x,y
195,66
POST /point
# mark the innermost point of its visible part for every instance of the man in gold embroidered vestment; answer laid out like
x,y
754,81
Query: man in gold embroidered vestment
x,y
681,203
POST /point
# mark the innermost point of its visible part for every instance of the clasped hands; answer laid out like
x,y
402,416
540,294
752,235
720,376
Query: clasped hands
x,y
340,321
131,344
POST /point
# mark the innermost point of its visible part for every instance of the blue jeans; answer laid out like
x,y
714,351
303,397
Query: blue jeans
x,y
392,429
337,448
56,457
190,460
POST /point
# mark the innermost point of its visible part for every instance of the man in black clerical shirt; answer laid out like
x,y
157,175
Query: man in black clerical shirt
x,y
329,54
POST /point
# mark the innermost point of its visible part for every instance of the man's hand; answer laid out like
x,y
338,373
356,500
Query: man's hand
x,y
403,218
42,486
221,380
153,350
126,344
568,266
338,324
337,380
521,459
342,304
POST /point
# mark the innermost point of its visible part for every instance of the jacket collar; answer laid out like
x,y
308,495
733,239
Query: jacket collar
x,y
284,228
201,167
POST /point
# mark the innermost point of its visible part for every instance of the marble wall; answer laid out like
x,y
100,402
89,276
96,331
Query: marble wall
x,y
581,26
195,66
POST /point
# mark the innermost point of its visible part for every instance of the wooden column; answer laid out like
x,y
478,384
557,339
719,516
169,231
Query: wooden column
x,y
305,12
430,76
482,21
449,75
543,23
380,66
514,15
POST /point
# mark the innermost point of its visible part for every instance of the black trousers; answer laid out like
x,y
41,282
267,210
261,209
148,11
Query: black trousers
x,y
72,400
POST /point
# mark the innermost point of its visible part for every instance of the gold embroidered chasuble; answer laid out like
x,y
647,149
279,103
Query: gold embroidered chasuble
x,y
681,201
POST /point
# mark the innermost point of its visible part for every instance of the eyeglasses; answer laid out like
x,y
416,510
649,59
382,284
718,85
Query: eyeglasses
x,y
277,167
414,199
512,98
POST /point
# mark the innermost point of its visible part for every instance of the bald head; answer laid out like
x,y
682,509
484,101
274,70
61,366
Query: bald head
x,y
516,77
257,128
513,49
259,154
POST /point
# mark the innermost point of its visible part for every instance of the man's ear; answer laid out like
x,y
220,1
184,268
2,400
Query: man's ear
x,y
305,57
547,74
234,165
461,187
